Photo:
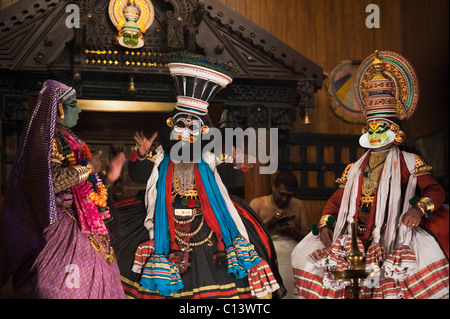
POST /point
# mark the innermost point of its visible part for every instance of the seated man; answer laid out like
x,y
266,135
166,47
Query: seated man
x,y
392,197
287,221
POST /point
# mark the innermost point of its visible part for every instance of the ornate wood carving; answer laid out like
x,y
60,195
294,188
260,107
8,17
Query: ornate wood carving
x,y
34,36
182,24
305,91
255,51
258,106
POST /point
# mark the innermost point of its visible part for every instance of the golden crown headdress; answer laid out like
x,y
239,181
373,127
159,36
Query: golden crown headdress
x,y
386,87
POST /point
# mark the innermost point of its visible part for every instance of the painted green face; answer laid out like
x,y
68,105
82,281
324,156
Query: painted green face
x,y
378,134
131,39
71,111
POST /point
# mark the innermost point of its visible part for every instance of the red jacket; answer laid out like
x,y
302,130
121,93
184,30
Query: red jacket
x,y
437,224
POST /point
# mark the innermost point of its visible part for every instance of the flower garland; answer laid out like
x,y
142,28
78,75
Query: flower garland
x,y
99,195
95,188
86,152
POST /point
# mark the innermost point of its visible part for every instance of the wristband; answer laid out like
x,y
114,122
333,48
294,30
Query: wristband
x,y
326,221
426,206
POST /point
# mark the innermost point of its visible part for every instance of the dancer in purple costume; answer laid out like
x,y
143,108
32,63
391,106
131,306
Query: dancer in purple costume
x,y
53,235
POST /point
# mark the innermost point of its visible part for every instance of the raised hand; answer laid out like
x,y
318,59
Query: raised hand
x,y
115,167
143,143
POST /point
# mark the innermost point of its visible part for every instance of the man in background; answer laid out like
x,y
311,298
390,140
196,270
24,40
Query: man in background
x,y
286,219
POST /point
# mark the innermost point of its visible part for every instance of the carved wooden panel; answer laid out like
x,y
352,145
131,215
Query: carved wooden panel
x,y
318,160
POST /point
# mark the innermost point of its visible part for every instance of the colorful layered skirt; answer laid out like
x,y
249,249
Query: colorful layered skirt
x,y
419,270
202,275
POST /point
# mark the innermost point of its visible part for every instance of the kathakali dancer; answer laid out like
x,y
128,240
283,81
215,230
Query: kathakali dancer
x,y
53,234
401,227
186,237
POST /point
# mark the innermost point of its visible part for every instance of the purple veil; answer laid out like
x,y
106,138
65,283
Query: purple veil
x,y
29,205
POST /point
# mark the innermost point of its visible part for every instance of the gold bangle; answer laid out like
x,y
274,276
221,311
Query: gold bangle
x,y
326,220
422,207
90,167
429,204
79,173
83,173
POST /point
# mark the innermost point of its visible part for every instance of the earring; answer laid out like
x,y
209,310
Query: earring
x,y
205,129
394,128
61,111
169,122
364,130
400,137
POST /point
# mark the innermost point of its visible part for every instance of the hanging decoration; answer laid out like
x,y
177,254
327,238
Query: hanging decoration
x,y
132,18
341,94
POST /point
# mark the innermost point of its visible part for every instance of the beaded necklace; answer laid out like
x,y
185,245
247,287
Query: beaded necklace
x,y
183,177
372,173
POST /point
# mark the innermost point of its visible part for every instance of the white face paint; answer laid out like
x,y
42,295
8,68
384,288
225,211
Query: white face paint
x,y
364,140
187,127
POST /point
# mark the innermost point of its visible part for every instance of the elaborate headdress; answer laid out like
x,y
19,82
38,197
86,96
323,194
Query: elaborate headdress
x,y
387,90
132,19
198,79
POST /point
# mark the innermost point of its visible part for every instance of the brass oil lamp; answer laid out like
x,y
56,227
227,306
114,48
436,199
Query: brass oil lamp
x,y
356,272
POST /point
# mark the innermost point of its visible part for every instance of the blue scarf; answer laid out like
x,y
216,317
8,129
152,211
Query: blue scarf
x,y
162,274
